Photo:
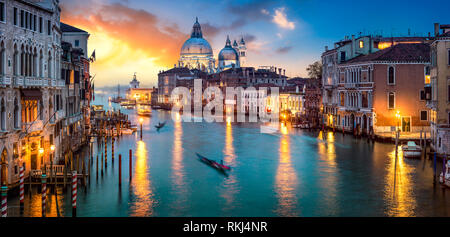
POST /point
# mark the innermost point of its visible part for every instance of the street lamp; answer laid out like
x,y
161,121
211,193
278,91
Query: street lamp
x,y
141,120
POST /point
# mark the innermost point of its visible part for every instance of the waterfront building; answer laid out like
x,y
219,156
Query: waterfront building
x,y
31,89
437,89
292,103
383,91
78,38
140,95
134,83
313,102
228,56
346,50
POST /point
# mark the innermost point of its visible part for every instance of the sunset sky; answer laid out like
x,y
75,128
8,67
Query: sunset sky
x,y
146,36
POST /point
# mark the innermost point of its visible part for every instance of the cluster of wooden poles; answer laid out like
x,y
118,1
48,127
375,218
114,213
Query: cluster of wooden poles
x,y
74,179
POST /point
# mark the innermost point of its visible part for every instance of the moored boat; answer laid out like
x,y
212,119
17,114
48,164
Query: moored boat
x,y
411,149
144,110
268,129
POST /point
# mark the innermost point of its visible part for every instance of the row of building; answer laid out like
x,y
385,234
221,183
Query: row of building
x,y
298,97
44,87
378,85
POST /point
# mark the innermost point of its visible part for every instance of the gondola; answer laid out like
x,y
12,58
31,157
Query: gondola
x,y
212,163
160,125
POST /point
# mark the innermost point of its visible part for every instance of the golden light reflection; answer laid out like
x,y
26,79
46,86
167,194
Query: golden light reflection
x,y
177,165
399,187
284,130
35,204
229,159
286,181
143,206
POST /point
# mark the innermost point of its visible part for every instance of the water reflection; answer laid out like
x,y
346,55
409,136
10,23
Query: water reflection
x,y
229,159
143,205
328,171
177,165
35,204
399,193
286,181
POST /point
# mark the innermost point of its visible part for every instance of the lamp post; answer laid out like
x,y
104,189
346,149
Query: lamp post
x,y
41,153
141,120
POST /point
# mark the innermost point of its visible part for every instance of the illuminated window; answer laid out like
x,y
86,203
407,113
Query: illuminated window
x,y
361,44
427,75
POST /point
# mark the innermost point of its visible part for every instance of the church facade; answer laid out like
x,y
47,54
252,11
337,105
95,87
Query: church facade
x,y
196,53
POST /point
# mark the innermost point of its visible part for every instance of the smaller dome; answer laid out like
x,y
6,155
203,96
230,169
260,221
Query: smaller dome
x,y
228,53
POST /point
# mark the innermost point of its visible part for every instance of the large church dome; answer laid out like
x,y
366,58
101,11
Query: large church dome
x,y
196,45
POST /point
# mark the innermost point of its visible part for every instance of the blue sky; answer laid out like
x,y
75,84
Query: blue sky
x,y
286,34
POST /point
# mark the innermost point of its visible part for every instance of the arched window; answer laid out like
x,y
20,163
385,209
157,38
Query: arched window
x,y
41,110
391,75
41,63
3,115
16,114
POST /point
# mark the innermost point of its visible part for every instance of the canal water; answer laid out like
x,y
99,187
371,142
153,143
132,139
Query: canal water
x,y
292,173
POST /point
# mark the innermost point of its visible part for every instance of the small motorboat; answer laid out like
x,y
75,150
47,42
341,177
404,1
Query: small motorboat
x,y
160,125
411,149
219,166
444,177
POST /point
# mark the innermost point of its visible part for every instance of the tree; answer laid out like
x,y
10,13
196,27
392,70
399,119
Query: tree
x,y
315,70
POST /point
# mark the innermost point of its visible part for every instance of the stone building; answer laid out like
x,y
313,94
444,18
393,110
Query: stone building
x,y
31,89
438,89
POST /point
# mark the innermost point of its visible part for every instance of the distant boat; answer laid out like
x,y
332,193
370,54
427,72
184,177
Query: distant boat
x,y
411,149
128,103
160,125
212,163
144,110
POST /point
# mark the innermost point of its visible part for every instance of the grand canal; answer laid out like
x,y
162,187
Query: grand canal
x,y
293,173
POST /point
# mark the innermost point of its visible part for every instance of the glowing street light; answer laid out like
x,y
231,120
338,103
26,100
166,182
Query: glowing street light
x,y
52,148
41,150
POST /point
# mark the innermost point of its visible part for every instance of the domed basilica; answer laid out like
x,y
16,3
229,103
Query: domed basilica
x,y
196,53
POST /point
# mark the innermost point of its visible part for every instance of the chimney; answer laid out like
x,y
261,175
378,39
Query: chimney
x,y
326,48
279,71
284,72
436,29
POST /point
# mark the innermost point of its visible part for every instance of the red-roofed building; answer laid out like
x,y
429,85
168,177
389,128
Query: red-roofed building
x,y
383,91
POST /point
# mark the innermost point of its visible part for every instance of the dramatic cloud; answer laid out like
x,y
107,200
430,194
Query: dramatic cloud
x,y
280,18
283,50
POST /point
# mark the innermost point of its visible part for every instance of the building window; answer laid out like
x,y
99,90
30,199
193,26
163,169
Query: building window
x,y
49,29
40,24
448,57
423,115
3,115
15,16
361,44
343,56
422,95
391,100
2,11
34,22
22,18
391,75
448,93
77,43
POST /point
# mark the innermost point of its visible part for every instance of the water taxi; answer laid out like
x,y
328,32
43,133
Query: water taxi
x,y
144,110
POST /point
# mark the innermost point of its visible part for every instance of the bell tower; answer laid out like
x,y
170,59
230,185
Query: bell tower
x,y
242,53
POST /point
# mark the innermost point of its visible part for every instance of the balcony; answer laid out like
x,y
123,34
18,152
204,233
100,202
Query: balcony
x,y
5,81
29,81
74,118
18,81
37,126
350,85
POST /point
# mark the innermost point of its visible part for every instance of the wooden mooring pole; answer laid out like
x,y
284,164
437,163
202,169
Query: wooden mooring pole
x,y
131,165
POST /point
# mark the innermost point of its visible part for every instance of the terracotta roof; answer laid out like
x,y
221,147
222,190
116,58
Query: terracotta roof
x,y
400,52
